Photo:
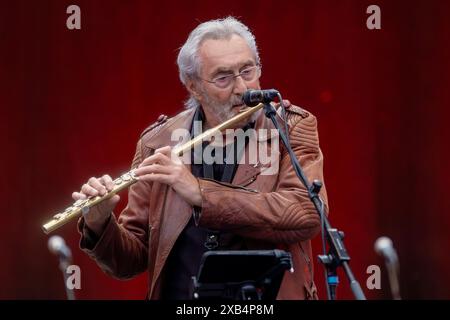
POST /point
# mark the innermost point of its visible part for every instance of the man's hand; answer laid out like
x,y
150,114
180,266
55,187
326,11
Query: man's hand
x,y
167,168
98,215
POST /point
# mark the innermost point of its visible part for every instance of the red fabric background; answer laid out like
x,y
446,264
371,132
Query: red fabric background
x,y
73,104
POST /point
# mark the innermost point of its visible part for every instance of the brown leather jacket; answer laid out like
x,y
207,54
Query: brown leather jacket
x,y
269,211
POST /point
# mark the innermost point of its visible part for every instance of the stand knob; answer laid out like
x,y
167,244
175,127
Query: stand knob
x,y
316,186
326,259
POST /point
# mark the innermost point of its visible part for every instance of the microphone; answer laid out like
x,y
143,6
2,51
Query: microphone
x,y
58,246
384,247
252,97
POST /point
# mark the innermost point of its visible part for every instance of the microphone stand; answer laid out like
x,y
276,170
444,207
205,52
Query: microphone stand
x,y
337,255
63,265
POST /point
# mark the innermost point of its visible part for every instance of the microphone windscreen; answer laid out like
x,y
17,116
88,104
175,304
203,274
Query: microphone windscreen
x,y
252,97
58,246
382,244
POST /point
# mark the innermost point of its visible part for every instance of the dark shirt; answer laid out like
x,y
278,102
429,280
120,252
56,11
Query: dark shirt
x,y
184,260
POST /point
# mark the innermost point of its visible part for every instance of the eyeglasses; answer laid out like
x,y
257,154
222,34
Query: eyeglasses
x,y
248,74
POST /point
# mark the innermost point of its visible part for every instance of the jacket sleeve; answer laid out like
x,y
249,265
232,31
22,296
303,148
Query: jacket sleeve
x,y
122,249
285,215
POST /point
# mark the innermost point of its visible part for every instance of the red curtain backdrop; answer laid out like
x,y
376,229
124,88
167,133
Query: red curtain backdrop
x,y
74,102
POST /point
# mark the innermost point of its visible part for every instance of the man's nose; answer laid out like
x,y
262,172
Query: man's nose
x,y
239,86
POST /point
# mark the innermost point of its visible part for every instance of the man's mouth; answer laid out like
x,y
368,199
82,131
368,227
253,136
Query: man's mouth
x,y
238,106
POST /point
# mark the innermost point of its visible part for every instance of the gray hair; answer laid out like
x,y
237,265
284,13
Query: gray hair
x,y
188,59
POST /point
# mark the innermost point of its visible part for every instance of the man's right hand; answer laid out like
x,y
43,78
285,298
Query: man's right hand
x,y
98,215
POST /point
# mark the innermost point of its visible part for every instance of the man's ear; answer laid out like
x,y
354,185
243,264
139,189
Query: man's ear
x,y
192,87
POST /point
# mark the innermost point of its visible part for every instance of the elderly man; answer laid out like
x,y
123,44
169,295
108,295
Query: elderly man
x,y
178,211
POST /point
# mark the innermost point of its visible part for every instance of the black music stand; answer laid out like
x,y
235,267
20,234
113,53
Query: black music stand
x,y
241,275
